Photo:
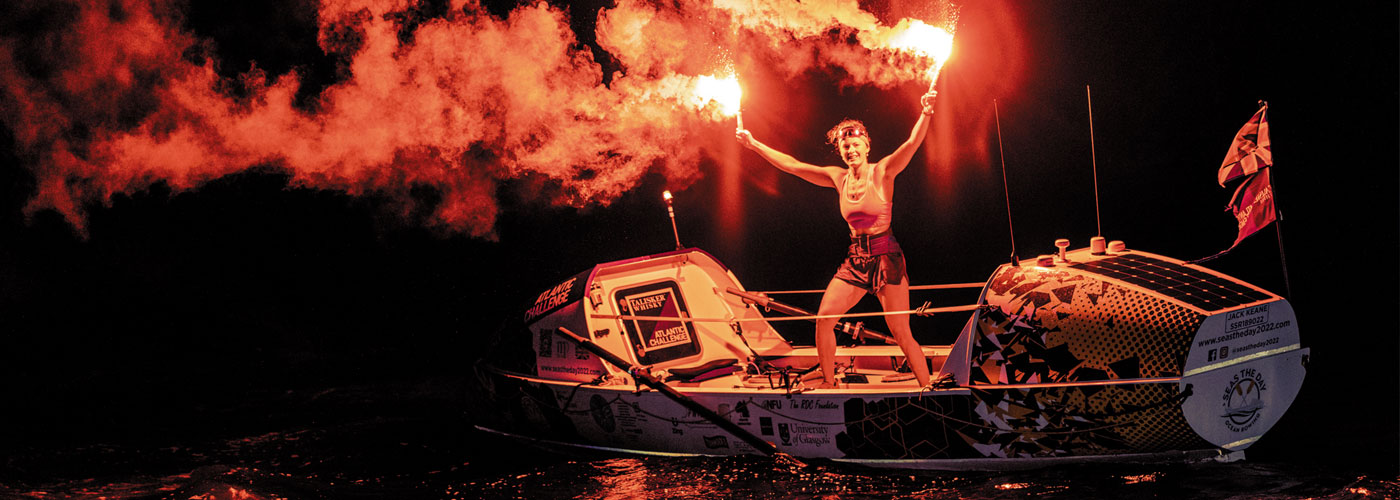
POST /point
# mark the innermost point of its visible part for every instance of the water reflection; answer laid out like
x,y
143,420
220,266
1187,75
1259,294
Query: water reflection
x,y
619,479
356,444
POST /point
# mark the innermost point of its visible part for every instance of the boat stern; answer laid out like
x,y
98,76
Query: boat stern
x,y
1244,369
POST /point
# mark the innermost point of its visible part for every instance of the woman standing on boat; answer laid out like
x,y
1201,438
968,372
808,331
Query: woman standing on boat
x,y
874,262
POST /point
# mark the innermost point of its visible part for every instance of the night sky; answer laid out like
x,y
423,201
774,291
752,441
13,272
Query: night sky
x,y
158,293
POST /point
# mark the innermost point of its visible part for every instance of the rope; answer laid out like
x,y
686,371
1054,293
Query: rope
x,y
912,287
570,401
921,311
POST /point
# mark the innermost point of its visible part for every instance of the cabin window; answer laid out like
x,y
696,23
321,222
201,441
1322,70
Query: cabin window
x,y
662,340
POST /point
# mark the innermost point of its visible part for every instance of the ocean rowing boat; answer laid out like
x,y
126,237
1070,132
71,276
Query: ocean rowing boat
x,y
1110,355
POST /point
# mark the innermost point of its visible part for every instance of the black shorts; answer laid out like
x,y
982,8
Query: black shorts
x,y
873,262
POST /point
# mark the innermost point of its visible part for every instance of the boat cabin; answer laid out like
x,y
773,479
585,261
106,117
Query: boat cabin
x,y
629,308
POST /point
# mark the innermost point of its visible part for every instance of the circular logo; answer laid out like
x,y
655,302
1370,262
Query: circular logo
x,y
532,412
1243,400
602,413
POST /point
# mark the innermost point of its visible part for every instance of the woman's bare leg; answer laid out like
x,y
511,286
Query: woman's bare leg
x,y
896,298
838,299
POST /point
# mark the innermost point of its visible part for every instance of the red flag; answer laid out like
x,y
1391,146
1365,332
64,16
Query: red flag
x,y
1253,205
1250,151
1250,157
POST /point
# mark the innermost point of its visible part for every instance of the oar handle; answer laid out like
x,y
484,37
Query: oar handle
x,y
686,401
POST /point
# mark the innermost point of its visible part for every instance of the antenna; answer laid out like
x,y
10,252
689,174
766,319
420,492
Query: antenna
x,y
1002,153
666,195
1095,159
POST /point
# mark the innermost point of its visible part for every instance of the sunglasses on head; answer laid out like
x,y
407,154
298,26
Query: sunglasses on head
x,y
851,131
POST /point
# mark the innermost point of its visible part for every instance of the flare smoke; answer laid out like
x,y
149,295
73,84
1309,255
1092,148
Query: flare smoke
x,y
109,97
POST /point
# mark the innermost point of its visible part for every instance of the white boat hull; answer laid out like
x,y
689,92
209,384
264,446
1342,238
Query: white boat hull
x,y
1122,357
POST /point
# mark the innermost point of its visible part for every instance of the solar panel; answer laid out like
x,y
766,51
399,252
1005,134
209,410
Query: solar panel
x,y
1192,286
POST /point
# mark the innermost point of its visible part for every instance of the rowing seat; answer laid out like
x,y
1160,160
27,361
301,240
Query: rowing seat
x,y
712,369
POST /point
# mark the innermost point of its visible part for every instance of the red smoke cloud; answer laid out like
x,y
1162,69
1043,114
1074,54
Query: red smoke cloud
x,y
113,97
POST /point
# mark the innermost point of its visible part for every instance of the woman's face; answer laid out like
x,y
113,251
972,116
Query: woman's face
x,y
853,151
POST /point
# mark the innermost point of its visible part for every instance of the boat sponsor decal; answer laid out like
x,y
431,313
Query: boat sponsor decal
x,y
546,343
716,442
1220,354
1239,398
1237,336
658,340
662,333
1244,324
809,434
629,419
1243,400
565,292
551,298
602,413
586,371
556,356
765,426
811,404
742,409
1057,325
784,433
1247,317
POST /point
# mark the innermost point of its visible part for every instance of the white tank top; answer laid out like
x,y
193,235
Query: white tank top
x,y
864,204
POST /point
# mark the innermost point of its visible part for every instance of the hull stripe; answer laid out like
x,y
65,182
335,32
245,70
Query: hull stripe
x,y
1237,361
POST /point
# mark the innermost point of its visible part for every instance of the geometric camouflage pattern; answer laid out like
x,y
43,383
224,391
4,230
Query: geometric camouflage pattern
x,y
1021,423
907,428
998,423
1053,325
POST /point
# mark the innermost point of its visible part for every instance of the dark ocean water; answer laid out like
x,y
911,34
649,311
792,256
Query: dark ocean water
x,y
414,439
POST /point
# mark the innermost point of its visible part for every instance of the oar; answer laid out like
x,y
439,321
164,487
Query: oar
x,y
856,330
758,443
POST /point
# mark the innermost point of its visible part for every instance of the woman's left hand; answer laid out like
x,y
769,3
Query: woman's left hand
x,y
927,101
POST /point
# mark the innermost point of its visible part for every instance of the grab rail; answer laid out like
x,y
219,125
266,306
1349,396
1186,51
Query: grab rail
x,y
947,286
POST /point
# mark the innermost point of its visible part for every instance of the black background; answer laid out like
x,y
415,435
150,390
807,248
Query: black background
x,y
175,302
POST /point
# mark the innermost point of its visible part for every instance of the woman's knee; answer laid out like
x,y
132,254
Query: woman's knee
x,y
897,326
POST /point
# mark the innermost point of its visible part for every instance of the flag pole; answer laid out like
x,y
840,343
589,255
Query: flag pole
x,y
1278,213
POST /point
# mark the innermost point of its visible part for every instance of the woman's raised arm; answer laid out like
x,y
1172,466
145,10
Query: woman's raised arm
x,y
899,159
821,176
